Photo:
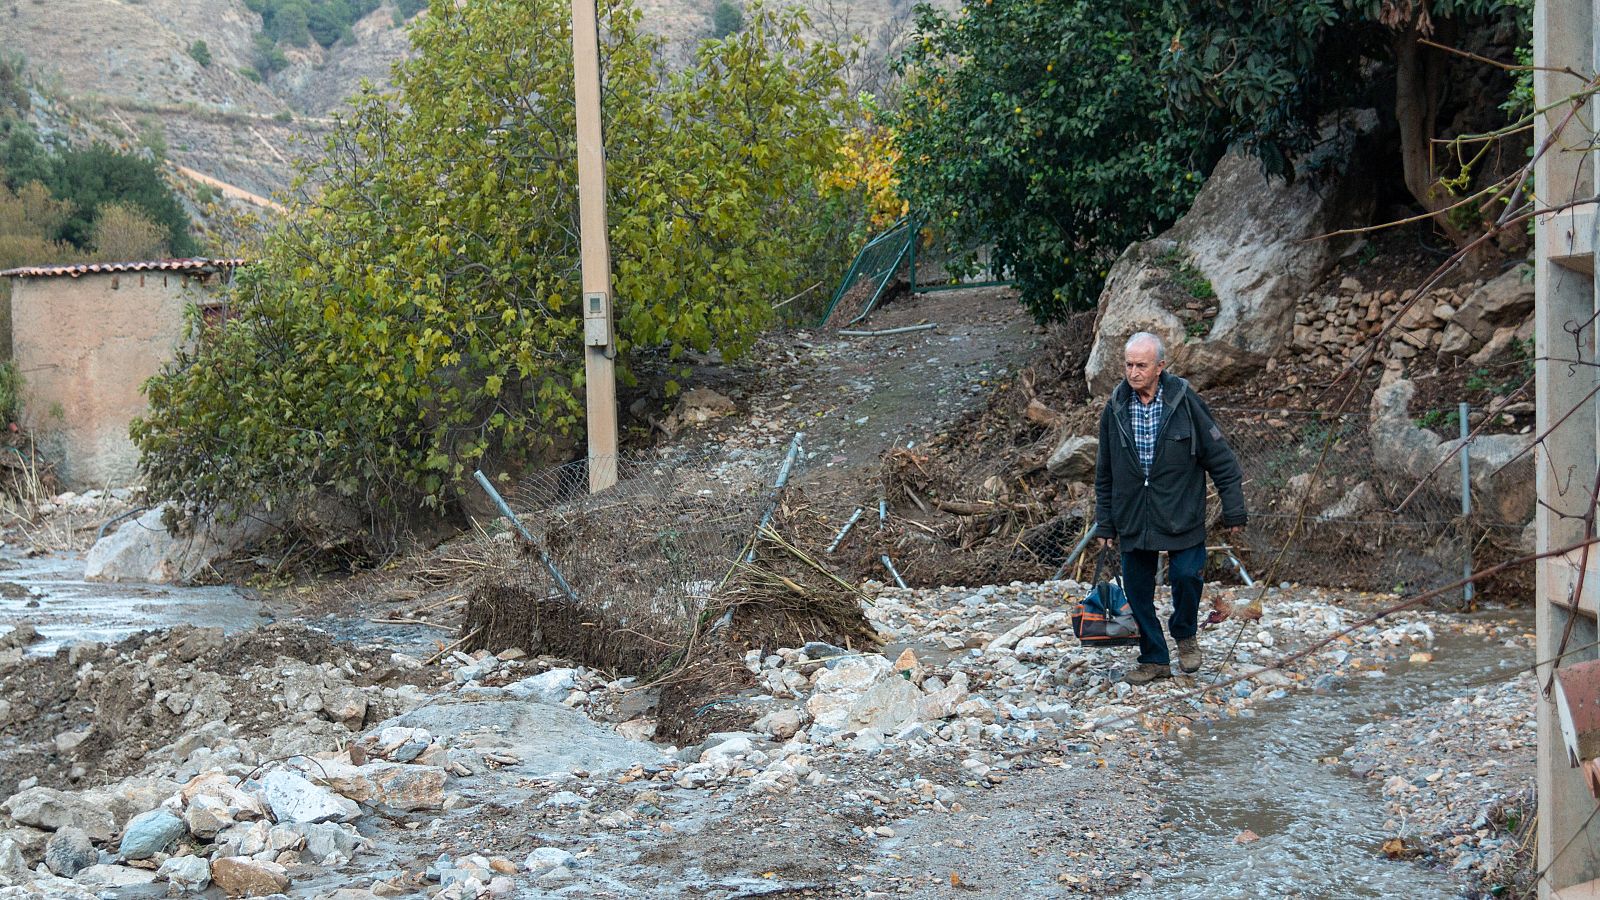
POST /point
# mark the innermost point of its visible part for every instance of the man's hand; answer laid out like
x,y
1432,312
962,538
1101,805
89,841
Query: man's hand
x,y
1106,543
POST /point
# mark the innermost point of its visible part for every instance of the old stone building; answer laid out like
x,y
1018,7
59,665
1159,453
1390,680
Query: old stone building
x,y
85,338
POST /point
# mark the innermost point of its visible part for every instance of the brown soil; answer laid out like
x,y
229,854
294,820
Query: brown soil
x,y
112,690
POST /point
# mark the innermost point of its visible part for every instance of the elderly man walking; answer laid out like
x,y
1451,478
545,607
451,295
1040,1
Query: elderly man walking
x,y
1157,444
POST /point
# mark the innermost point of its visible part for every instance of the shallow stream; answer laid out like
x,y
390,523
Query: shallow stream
x,y
50,592
1320,827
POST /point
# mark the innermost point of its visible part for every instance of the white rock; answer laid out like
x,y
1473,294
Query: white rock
x,y
186,873
547,687
1009,639
733,747
51,809
885,707
144,551
106,876
941,704
640,729
781,724
544,859
853,674
295,799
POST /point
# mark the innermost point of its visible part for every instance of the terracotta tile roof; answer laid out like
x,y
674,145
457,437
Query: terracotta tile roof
x,y
151,265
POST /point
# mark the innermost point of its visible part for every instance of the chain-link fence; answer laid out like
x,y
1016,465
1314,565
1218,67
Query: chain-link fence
x,y
626,575
1325,508
621,576
938,264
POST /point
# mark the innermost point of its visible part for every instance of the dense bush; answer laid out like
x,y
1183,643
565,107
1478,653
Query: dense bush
x,y
726,18
98,175
422,311
51,199
200,53
1039,128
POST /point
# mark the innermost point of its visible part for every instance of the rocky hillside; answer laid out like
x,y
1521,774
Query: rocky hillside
x,y
125,71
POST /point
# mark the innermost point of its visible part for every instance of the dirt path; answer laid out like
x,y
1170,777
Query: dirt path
x,y
856,397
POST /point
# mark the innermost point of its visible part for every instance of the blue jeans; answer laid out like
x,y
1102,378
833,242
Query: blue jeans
x,y
1139,582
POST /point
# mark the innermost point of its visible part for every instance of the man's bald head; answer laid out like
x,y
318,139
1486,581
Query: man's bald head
x,y
1146,338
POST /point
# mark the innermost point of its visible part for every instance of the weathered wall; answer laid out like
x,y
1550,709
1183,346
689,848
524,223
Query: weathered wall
x,y
84,346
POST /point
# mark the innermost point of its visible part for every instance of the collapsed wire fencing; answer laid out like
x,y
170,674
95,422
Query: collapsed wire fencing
x,y
623,576
634,576
929,259
669,576
1366,523
1363,526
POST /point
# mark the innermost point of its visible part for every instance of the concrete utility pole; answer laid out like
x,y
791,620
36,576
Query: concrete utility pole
x,y
1564,39
599,346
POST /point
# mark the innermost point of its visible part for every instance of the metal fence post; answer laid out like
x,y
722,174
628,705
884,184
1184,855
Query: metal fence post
x,y
1466,507
538,545
911,270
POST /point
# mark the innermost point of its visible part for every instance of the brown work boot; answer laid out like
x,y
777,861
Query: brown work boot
x,y
1189,658
1146,673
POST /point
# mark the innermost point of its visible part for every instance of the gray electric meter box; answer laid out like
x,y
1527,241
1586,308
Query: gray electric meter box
x,y
596,320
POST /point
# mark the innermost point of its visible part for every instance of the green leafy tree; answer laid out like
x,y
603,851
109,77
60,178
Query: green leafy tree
x,y
726,18
123,232
1269,71
200,53
1041,128
422,311
327,23
1061,131
268,56
91,177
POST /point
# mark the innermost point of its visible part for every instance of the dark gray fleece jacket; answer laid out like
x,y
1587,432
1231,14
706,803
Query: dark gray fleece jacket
x,y
1166,511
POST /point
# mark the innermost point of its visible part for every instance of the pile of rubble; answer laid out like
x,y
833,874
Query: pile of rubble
x,y
237,823
974,680
286,763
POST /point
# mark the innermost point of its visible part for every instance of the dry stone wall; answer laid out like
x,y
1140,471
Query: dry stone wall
x,y
1474,321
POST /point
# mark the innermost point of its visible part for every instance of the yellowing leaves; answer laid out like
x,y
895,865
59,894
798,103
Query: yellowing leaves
x,y
866,163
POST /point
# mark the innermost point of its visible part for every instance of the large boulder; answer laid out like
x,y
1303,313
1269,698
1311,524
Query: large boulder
x,y
1502,475
143,550
53,810
1254,239
867,694
1139,296
1498,307
69,851
1074,459
150,833
294,798
239,876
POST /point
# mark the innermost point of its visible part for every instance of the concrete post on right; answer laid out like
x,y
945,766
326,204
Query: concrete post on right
x,y
1564,42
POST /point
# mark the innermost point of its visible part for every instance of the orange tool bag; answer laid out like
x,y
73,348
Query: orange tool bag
x,y
1103,618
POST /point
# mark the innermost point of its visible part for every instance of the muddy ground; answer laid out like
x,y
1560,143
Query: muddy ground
x,y
1013,764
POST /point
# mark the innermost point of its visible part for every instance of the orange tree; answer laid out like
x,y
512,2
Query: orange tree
x,y
1042,128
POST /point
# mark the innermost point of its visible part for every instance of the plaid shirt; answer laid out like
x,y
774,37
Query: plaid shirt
x,y
1146,422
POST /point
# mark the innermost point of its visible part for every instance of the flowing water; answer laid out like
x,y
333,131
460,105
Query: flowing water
x,y
1320,827
50,592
